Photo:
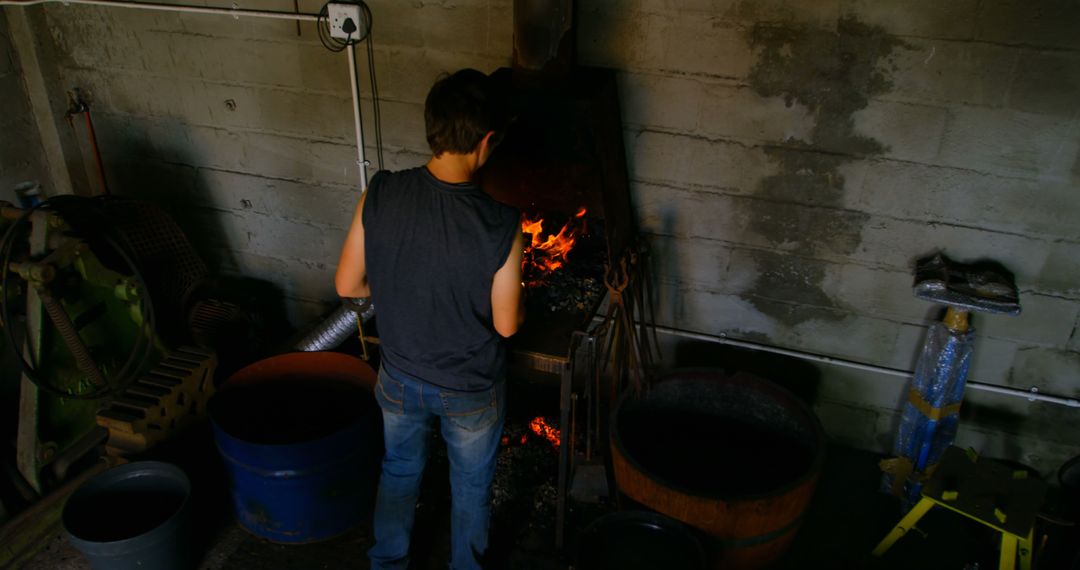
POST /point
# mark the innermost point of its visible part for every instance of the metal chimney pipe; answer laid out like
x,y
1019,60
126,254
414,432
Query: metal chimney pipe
x,y
544,35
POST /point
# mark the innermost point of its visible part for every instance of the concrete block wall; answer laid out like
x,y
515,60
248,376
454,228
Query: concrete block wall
x,y
789,160
243,129
22,158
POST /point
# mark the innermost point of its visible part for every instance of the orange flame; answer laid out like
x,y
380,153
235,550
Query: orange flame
x,y
542,429
547,255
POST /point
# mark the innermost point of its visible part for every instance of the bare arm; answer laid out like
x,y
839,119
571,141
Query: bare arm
x,y
507,295
351,277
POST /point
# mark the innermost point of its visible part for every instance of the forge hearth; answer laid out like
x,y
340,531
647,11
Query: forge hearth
x,y
562,154
564,283
564,149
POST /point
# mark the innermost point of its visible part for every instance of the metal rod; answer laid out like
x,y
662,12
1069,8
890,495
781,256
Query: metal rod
x,y
590,373
361,161
234,12
570,441
993,388
85,444
566,379
97,152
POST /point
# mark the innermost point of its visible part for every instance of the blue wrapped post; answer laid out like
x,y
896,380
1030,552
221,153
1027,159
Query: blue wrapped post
x,y
932,410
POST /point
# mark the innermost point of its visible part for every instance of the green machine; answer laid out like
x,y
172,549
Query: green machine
x,y
106,326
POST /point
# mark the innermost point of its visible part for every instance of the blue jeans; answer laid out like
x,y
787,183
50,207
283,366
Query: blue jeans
x,y
471,424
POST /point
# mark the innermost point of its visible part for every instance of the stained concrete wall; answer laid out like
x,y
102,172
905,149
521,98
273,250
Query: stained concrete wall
x,y
21,155
789,161
792,159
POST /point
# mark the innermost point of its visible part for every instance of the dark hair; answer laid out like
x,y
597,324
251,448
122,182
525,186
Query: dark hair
x,y
461,109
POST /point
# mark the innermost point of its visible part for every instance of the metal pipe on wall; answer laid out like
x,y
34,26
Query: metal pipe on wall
x,y
982,386
361,161
234,12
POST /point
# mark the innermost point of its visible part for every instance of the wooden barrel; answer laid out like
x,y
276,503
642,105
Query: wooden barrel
x,y
734,456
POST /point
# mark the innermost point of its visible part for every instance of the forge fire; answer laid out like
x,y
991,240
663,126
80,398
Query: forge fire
x,y
544,255
563,263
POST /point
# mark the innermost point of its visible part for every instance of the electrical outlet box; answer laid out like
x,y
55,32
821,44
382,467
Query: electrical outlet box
x,y
338,13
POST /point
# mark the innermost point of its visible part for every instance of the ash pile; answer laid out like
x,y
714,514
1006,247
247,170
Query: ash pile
x,y
523,497
565,292
524,493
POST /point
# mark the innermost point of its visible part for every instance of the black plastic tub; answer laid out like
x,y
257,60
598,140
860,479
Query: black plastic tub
x,y
134,516
638,540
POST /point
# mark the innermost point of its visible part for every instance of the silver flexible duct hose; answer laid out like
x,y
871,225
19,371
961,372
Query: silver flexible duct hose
x,y
338,326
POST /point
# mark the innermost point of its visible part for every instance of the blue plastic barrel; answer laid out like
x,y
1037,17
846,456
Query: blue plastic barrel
x,y
301,436
134,516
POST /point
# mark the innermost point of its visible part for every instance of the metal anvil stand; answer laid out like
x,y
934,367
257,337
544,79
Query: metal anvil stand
x,y
577,369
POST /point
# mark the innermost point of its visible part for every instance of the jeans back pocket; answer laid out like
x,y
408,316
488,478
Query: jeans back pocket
x,y
471,411
390,393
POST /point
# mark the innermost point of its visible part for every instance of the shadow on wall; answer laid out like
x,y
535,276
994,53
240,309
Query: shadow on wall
x,y
156,166
664,261
798,376
147,166
976,415
260,327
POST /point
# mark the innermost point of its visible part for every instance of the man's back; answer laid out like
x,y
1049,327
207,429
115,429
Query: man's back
x,y
438,247
442,261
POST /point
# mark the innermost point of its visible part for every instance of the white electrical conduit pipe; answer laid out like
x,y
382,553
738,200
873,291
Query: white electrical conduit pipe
x,y
235,13
361,162
1032,395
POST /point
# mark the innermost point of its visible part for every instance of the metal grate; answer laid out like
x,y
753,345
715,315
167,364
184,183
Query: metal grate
x,y
166,259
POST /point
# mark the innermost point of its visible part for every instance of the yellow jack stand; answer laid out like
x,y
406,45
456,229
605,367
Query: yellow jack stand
x,y
988,492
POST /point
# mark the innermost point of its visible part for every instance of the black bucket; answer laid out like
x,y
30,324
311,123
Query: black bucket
x,y
638,540
134,516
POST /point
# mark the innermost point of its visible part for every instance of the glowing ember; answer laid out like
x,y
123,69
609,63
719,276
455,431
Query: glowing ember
x,y
506,441
542,429
544,255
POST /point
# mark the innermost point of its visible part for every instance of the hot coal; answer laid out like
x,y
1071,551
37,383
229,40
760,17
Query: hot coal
x,y
567,293
577,286
523,495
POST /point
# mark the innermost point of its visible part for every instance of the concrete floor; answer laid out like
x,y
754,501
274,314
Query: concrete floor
x,y
844,521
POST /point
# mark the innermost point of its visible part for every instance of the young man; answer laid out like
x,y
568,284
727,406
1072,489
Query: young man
x,y
442,263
